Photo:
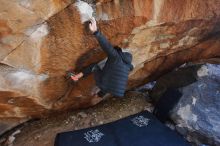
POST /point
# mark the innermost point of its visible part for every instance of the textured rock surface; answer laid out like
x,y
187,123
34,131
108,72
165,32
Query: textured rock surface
x,y
41,39
197,114
43,132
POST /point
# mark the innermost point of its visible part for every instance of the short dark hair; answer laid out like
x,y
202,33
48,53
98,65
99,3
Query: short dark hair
x,y
117,48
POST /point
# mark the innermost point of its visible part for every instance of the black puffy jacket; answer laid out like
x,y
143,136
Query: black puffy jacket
x,y
114,76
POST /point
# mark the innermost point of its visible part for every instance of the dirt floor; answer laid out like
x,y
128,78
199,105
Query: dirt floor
x,y
43,132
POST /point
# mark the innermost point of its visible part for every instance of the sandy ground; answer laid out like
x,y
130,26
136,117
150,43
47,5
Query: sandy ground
x,y
43,132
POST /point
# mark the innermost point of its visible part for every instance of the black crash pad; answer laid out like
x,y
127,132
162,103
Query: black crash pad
x,y
141,129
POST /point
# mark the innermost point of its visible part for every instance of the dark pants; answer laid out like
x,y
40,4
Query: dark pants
x,y
90,69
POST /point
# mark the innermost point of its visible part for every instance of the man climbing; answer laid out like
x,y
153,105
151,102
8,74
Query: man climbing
x,y
111,74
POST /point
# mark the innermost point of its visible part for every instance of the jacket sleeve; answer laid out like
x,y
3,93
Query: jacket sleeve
x,y
105,45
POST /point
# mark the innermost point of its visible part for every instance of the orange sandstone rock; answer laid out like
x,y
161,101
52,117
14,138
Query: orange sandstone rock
x,y
40,40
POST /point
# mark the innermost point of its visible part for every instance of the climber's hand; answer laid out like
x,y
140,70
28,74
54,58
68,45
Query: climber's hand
x,y
92,26
74,78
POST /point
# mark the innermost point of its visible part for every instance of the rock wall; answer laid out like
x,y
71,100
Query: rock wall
x,y
197,113
41,39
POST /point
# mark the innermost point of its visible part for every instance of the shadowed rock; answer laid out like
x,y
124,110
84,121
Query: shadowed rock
x,y
40,40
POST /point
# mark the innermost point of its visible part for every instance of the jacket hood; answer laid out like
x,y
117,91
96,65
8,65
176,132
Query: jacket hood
x,y
127,58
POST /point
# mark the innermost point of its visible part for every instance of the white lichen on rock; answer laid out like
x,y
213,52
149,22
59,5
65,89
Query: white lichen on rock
x,y
85,10
203,71
40,32
186,114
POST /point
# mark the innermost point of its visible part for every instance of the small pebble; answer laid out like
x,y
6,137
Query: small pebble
x,y
82,114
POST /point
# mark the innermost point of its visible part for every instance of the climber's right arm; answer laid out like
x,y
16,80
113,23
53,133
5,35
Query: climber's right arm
x,y
104,43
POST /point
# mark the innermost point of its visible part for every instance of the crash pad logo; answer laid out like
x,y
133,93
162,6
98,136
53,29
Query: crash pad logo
x,y
93,136
140,121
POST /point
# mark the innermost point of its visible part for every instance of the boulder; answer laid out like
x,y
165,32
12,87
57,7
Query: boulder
x,y
197,114
41,39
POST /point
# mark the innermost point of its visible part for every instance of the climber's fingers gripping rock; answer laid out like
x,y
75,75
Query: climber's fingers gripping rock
x,y
93,26
74,78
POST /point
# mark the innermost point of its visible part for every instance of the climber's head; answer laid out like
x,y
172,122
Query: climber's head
x,y
117,48
121,49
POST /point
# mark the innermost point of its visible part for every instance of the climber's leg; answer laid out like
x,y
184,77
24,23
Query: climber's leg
x,y
100,96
